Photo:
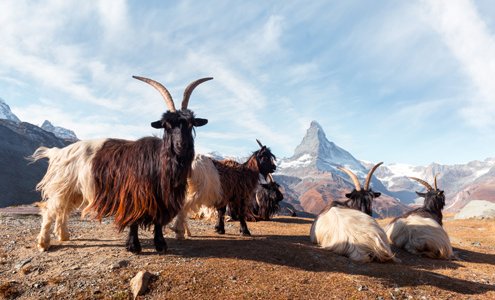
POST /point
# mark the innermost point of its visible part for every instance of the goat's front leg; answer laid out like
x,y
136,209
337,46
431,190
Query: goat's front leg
x,y
180,225
159,240
220,227
132,243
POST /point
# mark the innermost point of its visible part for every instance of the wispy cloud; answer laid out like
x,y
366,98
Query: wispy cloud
x,y
472,43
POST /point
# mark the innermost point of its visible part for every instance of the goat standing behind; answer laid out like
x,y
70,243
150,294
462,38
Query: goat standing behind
x,y
238,183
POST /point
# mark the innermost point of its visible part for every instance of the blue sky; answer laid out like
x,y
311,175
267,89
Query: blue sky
x,y
394,81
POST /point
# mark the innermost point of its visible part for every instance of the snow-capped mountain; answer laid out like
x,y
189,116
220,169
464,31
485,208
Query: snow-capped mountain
x,y
317,153
60,132
6,113
311,178
459,181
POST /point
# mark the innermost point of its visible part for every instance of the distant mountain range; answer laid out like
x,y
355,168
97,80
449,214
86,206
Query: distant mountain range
x,y
311,178
18,140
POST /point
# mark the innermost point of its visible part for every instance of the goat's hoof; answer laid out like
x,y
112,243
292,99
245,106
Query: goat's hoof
x,y
219,230
42,246
134,248
64,237
161,249
245,233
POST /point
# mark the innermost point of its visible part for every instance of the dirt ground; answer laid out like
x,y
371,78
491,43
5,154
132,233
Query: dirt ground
x,y
277,262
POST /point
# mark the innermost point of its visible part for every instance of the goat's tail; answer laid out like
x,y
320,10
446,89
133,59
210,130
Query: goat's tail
x,y
41,152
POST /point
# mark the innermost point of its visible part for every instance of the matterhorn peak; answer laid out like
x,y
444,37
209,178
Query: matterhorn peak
x,y
317,153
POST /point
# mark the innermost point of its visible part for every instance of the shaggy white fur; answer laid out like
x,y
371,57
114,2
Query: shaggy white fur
x,y
67,185
351,233
419,235
203,190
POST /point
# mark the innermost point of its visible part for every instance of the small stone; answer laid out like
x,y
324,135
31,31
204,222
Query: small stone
x,y
119,264
362,288
21,264
139,284
476,244
75,268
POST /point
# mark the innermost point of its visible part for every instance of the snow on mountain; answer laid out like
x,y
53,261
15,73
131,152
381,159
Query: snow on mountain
x,y
458,181
316,153
59,132
311,177
6,113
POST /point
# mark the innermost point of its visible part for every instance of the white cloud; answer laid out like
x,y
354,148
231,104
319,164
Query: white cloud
x,y
469,39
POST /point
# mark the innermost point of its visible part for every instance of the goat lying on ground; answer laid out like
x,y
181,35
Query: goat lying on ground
x,y
139,182
420,231
238,183
348,229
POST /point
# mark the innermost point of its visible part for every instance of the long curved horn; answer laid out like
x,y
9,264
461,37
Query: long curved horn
x,y
370,173
436,187
259,143
270,178
163,91
428,187
353,176
190,88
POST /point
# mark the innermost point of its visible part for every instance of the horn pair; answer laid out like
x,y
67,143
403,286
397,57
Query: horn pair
x,y
166,95
355,180
426,184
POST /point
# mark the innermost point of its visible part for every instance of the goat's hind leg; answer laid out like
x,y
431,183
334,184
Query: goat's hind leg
x,y
159,240
48,215
220,227
61,229
242,219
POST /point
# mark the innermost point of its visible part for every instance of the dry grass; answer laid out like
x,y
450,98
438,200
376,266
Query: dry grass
x,y
277,262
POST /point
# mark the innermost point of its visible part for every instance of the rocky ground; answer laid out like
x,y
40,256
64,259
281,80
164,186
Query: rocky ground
x,y
277,262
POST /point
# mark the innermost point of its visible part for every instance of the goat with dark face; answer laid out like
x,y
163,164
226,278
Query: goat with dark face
x,y
239,182
420,231
140,183
359,199
265,205
268,197
347,227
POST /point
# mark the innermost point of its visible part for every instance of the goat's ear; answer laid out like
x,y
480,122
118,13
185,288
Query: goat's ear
x,y
440,193
157,124
200,122
377,194
421,194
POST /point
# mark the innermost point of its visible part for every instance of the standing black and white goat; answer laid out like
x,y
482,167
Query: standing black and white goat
x,y
237,185
140,182
348,229
420,231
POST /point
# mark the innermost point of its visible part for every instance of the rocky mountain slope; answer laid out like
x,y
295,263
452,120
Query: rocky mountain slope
x,y
311,178
18,140
461,182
